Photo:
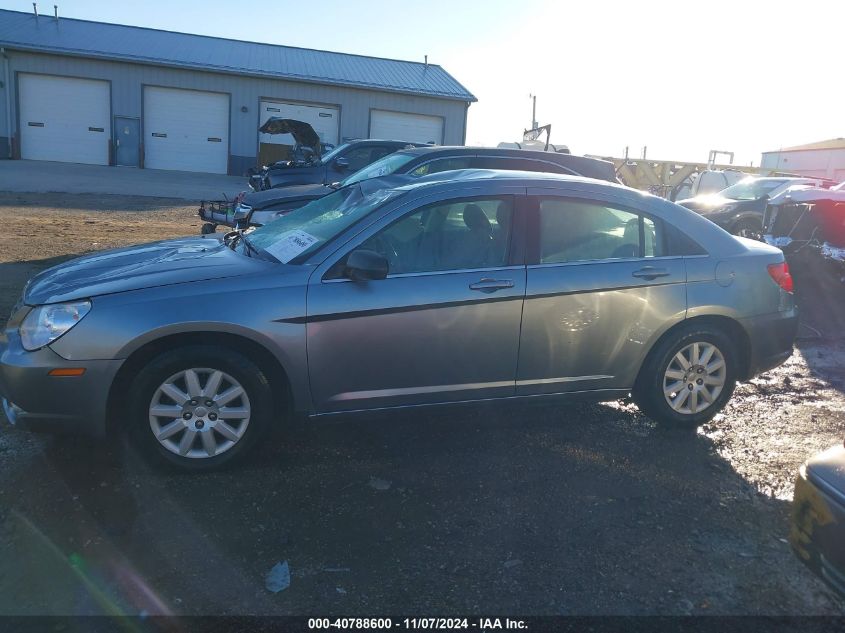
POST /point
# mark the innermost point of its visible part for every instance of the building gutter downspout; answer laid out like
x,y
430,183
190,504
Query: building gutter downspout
x,y
8,91
466,112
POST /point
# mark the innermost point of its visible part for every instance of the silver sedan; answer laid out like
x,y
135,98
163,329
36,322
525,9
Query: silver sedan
x,y
464,286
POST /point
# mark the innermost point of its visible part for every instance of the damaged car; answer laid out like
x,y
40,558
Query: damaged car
x,y
260,207
818,516
310,164
467,286
811,218
739,208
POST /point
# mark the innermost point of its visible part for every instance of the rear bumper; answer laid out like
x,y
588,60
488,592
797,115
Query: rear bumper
x,y
817,533
772,337
33,400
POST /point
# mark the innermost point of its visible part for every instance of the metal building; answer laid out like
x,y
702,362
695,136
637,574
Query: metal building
x,y
824,159
107,94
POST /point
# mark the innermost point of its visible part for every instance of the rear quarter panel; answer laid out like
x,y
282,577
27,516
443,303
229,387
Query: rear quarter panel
x,y
737,285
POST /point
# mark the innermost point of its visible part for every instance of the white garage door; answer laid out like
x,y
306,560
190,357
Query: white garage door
x,y
272,147
401,126
323,119
186,130
64,119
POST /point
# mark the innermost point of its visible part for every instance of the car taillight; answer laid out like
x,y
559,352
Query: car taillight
x,y
780,273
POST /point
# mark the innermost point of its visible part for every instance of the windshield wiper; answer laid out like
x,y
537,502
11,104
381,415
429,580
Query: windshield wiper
x,y
232,238
249,247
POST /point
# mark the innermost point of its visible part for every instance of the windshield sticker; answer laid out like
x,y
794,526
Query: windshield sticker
x,y
290,244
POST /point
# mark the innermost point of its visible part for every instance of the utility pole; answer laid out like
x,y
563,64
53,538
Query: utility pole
x,y
533,111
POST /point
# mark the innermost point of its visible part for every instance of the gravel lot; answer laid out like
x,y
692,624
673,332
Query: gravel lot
x,y
517,510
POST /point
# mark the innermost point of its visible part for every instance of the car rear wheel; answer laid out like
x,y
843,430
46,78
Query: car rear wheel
x,y
688,378
200,408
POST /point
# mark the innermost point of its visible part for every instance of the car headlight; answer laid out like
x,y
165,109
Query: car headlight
x,y
45,324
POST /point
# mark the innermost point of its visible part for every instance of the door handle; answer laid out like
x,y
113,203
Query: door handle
x,y
650,272
491,285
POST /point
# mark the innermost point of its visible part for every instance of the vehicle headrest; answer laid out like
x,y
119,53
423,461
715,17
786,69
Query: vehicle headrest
x,y
504,213
475,219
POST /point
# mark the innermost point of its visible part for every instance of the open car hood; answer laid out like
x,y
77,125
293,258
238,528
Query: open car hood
x,y
301,131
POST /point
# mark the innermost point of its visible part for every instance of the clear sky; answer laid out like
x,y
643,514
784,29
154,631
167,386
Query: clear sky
x,y
680,77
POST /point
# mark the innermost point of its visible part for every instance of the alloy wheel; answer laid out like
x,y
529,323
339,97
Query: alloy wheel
x,y
695,377
199,413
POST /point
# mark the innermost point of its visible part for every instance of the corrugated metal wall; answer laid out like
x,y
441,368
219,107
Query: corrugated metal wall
x,y
4,131
127,82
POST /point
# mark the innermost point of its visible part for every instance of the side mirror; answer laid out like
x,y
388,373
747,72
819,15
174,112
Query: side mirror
x,y
764,197
363,265
342,163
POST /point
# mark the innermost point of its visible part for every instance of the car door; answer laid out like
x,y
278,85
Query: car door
x,y
600,284
443,326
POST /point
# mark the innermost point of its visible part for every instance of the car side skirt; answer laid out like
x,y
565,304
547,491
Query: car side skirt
x,y
595,395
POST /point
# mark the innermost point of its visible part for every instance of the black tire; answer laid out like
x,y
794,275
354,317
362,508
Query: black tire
x,y
237,366
208,228
751,228
648,390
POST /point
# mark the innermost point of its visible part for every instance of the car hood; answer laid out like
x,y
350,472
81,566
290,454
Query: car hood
x,y
301,131
137,267
269,197
829,467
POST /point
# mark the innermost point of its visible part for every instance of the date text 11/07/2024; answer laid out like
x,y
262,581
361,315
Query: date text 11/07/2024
x,y
478,624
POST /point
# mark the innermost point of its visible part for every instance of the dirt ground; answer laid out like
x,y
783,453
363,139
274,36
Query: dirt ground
x,y
517,510
41,230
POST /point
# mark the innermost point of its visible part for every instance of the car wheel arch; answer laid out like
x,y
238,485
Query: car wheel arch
x,y
257,353
729,326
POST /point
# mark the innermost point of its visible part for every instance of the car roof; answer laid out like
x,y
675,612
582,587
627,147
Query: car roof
x,y
488,151
781,178
354,141
582,165
470,175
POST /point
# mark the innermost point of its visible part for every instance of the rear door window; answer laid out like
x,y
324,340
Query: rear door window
x,y
573,230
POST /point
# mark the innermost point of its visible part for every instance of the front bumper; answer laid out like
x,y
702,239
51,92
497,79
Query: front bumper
x,y
34,400
818,529
772,337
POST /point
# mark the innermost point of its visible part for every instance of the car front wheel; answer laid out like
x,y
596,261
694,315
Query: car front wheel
x,y
688,378
200,408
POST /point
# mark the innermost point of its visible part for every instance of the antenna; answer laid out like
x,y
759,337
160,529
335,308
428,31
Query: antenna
x,y
533,111
35,10
56,12
426,61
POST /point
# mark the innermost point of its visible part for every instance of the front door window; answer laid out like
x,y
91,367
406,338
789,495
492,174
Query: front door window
x,y
447,236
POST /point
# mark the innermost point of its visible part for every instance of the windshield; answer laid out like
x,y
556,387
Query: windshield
x,y
296,235
327,158
382,167
750,189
